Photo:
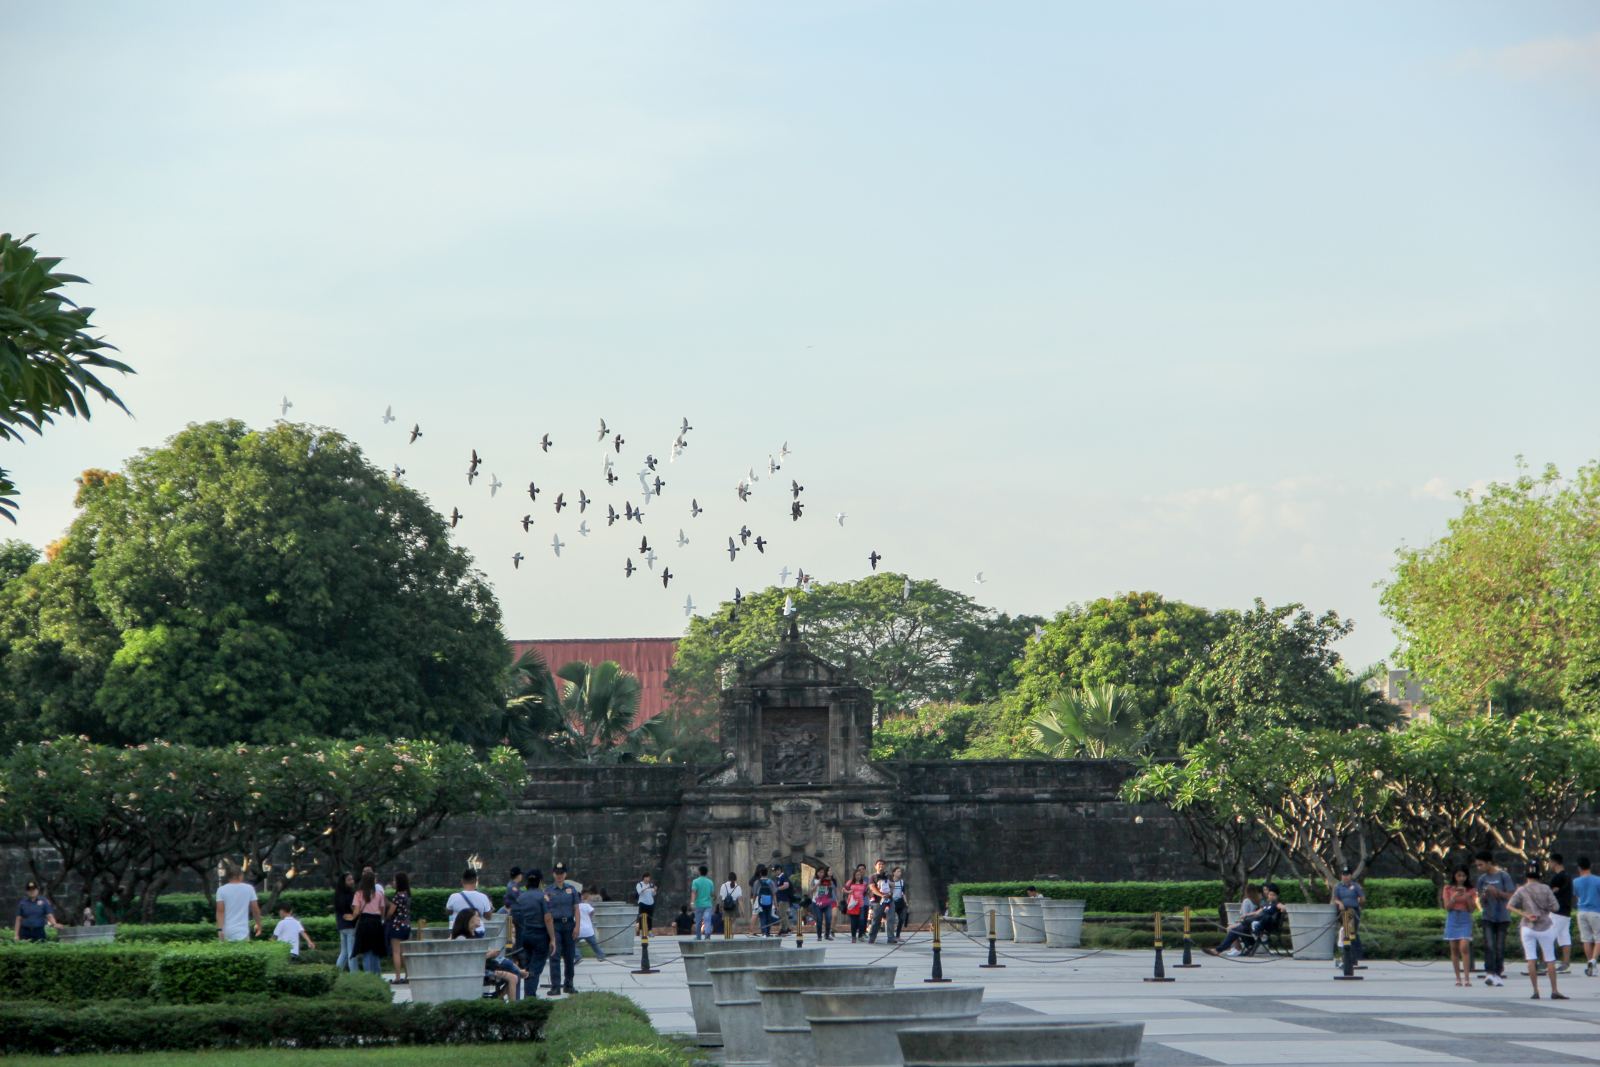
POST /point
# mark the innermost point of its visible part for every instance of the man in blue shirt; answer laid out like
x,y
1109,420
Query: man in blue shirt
x,y
1348,898
1495,887
535,931
1586,898
561,903
34,913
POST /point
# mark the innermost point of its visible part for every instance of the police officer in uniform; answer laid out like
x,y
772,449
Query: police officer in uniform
x,y
535,931
561,906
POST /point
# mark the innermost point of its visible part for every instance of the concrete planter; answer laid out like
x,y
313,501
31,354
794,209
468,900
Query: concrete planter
x,y
1024,1044
978,909
1313,930
613,927
445,970
83,935
733,987
1027,920
708,1032
860,1028
1063,923
783,1015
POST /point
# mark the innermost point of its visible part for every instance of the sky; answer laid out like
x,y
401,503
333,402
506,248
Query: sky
x,y
1221,300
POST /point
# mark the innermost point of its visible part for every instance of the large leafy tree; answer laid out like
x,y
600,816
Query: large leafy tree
x,y
930,644
1096,722
941,731
50,364
1503,612
15,559
241,585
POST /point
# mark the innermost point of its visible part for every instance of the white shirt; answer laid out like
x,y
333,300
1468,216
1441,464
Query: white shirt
x,y
585,919
236,898
289,930
462,900
647,893
729,890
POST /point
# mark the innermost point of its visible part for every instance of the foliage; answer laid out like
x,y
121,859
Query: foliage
x,y
15,559
634,1056
298,1023
312,906
681,735
250,585
936,731
589,1022
176,974
49,363
598,705
1509,599
1096,723
933,645
1169,897
1142,643
1227,843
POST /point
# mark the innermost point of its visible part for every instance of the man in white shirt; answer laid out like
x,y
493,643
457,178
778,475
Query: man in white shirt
x,y
237,907
468,897
290,931
646,892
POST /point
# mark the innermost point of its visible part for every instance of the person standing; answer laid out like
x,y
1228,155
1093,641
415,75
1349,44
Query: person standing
x,y
343,896
1560,883
824,895
238,910
645,891
1494,890
898,903
35,914
514,884
1459,901
784,895
586,925
291,931
468,896
765,899
1348,899
561,903
855,905
399,922
1535,905
729,894
702,896
367,910
536,931
1586,898
878,892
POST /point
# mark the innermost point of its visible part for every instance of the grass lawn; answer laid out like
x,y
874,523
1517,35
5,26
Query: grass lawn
x,y
496,1055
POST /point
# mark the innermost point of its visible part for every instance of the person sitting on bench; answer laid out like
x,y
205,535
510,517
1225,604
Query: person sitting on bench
x,y
1253,928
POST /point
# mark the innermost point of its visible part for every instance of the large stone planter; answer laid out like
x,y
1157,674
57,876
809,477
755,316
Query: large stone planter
x,y
613,927
733,988
1313,929
783,1015
1063,923
83,935
708,1032
1023,1044
445,970
1027,920
978,909
859,1028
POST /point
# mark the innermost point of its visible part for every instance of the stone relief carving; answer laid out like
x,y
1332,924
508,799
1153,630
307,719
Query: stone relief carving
x,y
794,747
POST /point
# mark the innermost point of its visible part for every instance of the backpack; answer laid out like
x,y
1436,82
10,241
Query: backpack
x,y
764,892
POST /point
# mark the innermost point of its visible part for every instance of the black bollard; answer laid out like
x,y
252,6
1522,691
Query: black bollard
x,y
994,962
1352,948
1161,968
644,948
938,967
1188,942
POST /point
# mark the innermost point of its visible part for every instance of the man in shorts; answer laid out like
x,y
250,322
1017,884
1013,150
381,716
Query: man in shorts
x,y
1586,898
1536,906
1560,883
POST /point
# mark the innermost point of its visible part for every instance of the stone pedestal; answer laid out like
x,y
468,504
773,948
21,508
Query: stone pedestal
x,y
446,970
733,986
978,909
1313,929
613,927
82,935
783,1015
1023,1044
1063,923
1027,920
708,1032
860,1028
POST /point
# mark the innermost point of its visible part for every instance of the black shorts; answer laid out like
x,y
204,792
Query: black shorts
x,y
32,933
648,910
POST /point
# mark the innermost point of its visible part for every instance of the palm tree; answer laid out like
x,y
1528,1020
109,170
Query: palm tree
x,y
682,736
1097,722
598,706
530,720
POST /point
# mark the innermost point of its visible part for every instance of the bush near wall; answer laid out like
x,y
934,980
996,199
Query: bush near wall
x,y
606,1030
1169,897
322,931
308,904
175,973
300,1023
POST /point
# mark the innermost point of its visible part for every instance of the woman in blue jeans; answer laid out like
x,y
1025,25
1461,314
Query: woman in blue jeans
x,y
824,895
343,895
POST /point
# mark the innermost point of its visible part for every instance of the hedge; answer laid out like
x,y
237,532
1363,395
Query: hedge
x,y
321,929
334,1023
1135,897
609,1029
174,973
308,904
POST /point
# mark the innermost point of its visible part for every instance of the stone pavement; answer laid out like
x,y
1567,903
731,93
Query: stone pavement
x,y
1227,1012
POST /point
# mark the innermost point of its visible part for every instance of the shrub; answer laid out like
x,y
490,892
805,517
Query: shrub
x,y
320,928
303,980
1147,897
309,905
633,1056
333,1023
349,985
177,973
201,974
595,1022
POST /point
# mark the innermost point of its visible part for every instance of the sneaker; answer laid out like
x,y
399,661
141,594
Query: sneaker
x,y
1588,969
1231,952
1558,996
1535,995
1563,967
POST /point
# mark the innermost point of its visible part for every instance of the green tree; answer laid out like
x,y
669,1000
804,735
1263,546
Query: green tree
x,y
49,363
256,586
1097,722
680,735
936,731
1142,643
599,705
1223,840
1273,667
15,559
1507,603
930,645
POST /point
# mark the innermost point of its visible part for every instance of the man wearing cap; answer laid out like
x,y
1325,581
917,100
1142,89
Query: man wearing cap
x,y
34,913
535,931
561,905
1349,898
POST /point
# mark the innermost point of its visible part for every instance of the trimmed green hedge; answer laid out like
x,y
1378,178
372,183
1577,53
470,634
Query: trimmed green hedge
x,y
321,929
174,973
334,1023
308,904
606,1029
1133,897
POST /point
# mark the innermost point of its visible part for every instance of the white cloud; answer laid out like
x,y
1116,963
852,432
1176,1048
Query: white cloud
x,y
1435,488
1549,58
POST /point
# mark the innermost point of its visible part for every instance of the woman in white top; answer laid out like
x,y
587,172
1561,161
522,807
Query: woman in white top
x,y
729,894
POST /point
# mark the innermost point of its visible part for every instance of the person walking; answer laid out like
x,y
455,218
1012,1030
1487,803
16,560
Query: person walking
x,y
702,897
238,910
900,907
824,895
367,911
343,895
784,895
1459,901
765,893
399,922
1535,905
855,905
729,894
1560,883
586,925
35,914
561,902
1494,889
645,892
1586,898
535,930
878,897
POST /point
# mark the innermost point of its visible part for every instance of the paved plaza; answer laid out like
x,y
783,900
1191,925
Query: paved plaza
x,y
1226,1012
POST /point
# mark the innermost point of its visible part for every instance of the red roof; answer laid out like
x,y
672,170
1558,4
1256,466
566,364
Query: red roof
x,y
648,658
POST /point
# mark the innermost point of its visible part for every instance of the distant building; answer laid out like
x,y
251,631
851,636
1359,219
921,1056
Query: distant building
x,y
647,658
1399,687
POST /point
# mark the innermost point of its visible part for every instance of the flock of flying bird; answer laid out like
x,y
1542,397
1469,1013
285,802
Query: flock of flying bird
x,y
652,491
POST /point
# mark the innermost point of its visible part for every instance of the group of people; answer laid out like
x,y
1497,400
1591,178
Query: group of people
x,y
872,903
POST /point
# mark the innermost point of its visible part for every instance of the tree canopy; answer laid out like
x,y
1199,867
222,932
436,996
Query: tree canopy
x,y
1504,610
242,585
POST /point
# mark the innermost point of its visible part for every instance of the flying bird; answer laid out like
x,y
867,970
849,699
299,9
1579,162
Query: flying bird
x,y
605,431
688,606
783,453
312,445
1038,632
682,540
516,561
979,579
772,466
644,478
795,509
744,535
644,545
874,558
583,528
527,521
666,577
796,488
738,597
583,501
761,545
695,509
472,476
283,407
649,494
788,605
399,472
545,443
628,568
555,543
659,484
744,491
803,580
783,575
628,510
905,590
638,516
619,443
611,515
611,478
561,502
840,517
494,484
477,461
733,550
533,492
650,558
685,428
650,461
388,414
455,517
416,432
753,476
